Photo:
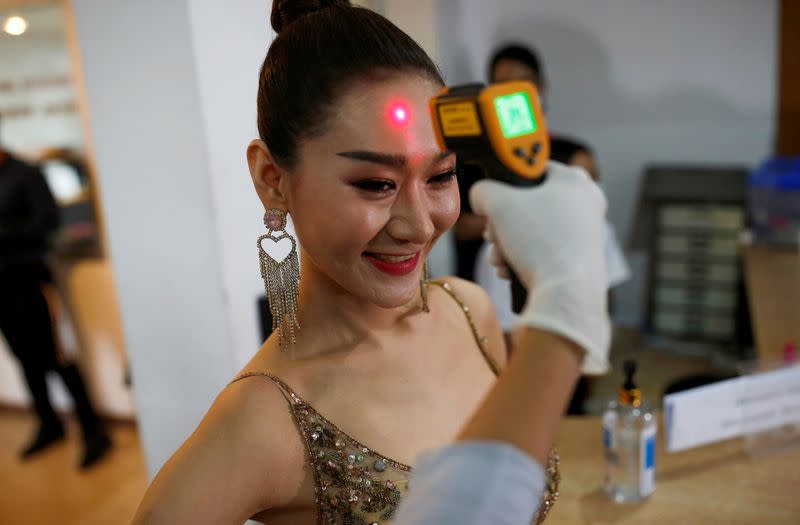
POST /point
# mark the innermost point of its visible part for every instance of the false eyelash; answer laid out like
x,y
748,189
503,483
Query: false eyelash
x,y
375,186
443,177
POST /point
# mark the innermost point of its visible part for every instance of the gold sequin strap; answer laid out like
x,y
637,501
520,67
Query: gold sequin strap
x,y
480,340
283,387
353,483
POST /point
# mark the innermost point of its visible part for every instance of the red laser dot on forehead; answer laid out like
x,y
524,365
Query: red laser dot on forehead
x,y
399,113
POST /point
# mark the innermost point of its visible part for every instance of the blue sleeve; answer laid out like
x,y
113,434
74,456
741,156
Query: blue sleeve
x,y
471,483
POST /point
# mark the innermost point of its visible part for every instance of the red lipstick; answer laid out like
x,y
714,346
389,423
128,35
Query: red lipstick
x,y
393,264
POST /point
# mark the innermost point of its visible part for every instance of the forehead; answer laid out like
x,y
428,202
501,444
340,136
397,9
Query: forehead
x,y
389,115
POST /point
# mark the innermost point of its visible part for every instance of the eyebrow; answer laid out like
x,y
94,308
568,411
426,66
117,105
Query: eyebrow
x,y
393,160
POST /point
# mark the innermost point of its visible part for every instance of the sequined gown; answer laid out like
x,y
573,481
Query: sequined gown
x,y
355,485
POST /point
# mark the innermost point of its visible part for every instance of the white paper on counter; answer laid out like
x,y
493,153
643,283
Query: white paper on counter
x,y
732,408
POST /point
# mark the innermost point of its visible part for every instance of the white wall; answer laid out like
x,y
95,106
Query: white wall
x,y
37,99
415,17
230,40
641,81
171,88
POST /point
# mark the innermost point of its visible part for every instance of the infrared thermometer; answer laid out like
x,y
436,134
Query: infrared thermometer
x,y
501,128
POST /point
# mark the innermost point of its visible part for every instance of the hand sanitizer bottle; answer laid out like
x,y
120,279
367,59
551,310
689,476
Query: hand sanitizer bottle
x,y
629,439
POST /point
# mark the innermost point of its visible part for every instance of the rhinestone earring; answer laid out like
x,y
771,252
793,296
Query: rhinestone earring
x,y
423,287
281,278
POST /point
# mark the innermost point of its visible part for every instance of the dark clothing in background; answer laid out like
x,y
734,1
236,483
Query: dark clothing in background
x,y
467,250
28,215
26,324
561,149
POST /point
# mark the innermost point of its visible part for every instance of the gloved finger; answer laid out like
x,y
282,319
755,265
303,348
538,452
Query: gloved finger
x,y
600,199
486,196
497,260
560,171
490,237
578,181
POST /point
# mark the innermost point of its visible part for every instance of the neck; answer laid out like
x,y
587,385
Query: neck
x,y
334,320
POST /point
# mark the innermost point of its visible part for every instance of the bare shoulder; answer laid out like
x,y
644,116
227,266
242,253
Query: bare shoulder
x,y
257,410
254,416
482,312
238,462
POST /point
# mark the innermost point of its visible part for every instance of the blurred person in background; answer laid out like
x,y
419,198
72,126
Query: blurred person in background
x,y
468,230
514,62
28,215
511,62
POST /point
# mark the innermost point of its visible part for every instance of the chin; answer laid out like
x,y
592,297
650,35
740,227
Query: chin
x,y
394,296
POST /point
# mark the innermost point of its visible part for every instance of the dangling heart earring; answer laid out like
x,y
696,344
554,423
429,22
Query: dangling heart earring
x,y
281,278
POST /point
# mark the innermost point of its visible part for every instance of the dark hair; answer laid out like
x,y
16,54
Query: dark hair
x,y
323,47
520,53
562,149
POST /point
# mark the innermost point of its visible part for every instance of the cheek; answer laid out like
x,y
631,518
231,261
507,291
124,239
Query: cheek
x,y
361,222
334,224
445,209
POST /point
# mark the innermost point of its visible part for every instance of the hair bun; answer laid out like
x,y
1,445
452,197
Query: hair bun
x,y
286,12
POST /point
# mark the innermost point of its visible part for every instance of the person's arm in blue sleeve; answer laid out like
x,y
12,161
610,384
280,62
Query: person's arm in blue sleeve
x,y
552,238
471,483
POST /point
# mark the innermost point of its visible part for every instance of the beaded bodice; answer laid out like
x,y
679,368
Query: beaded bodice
x,y
355,485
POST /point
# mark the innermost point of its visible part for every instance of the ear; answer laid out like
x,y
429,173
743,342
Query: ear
x,y
267,176
585,160
543,87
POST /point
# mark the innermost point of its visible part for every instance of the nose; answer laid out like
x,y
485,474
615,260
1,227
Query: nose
x,y
411,217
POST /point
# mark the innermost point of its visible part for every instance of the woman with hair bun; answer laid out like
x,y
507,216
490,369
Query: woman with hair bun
x,y
370,363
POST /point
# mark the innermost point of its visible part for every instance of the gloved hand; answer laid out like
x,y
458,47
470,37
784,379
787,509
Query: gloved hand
x,y
552,237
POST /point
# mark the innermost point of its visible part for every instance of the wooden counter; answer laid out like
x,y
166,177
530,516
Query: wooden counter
x,y
716,484
773,289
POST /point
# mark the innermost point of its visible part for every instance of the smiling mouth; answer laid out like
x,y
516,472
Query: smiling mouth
x,y
393,264
392,258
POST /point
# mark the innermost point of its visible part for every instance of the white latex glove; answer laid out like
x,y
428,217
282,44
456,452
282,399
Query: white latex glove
x,y
553,238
